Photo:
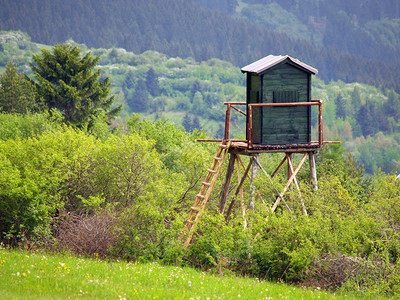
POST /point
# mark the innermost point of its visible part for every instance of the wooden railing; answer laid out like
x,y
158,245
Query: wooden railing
x,y
250,117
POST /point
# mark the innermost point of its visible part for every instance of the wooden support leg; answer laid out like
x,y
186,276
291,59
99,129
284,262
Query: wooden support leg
x,y
270,179
238,188
280,165
313,171
225,189
289,158
254,169
241,195
289,182
290,164
258,194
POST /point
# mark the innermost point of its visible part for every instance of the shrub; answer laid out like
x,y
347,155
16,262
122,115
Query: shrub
x,y
89,235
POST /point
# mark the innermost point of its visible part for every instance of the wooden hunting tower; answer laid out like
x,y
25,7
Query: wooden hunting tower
x,y
278,119
279,79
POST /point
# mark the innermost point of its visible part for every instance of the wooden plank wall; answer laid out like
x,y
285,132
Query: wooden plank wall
x,y
285,125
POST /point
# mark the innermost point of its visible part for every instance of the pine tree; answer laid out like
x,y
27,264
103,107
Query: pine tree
x,y
139,101
68,82
355,100
152,82
196,123
392,106
17,93
340,107
187,123
365,120
196,87
129,81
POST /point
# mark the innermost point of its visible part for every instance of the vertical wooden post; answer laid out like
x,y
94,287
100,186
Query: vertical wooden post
x,y
250,126
241,195
313,171
246,172
254,169
227,121
225,188
289,158
321,136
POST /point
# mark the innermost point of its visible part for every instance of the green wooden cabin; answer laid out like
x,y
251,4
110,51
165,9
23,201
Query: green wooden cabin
x,y
280,79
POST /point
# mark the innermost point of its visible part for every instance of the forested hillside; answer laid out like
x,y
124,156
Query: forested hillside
x,y
181,28
191,94
346,26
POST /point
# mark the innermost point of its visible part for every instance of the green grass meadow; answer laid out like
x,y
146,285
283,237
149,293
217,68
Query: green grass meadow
x,y
38,275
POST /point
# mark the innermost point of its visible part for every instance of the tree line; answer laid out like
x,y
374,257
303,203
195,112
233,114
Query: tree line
x,y
182,28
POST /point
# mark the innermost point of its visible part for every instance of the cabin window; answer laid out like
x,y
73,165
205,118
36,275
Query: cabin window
x,y
285,96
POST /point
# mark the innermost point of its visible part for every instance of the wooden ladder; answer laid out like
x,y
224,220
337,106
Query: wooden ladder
x,y
206,189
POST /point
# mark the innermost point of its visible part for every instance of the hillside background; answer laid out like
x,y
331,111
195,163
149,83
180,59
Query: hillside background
x,y
197,49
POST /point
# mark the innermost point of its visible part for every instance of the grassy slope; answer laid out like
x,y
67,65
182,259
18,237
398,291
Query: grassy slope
x,y
28,275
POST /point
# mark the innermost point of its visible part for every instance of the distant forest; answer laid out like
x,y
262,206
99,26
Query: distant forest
x,y
183,28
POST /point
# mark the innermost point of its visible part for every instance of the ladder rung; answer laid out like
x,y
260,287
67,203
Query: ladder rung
x,y
212,171
207,183
200,196
223,146
195,208
218,158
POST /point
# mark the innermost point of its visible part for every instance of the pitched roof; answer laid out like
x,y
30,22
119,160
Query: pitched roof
x,y
271,60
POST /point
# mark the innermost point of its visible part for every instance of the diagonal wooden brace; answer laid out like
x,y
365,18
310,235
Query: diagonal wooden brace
x,y
292,177
290,164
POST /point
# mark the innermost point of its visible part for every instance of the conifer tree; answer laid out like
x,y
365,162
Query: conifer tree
x,y
340,107
69,83
139,102
152,82
196,123
17,94
355,101
365,120
187,123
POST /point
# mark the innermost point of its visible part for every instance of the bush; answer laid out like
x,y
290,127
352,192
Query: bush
x,y
89,235
72,170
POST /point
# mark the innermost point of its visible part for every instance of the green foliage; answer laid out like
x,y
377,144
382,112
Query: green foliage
x,y
64,169
215,81
17,94
139,100
13,126
68,83
140,186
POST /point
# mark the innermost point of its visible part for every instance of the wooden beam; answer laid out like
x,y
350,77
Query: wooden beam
x,y
289,181
290,164
285,104
313,171
225,188
253,176
242,112
238,188
250,126
235,103
280,165
227,121
258,194
276,190
241,195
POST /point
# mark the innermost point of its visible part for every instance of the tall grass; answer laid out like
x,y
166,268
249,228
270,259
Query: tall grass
x,y
27,275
